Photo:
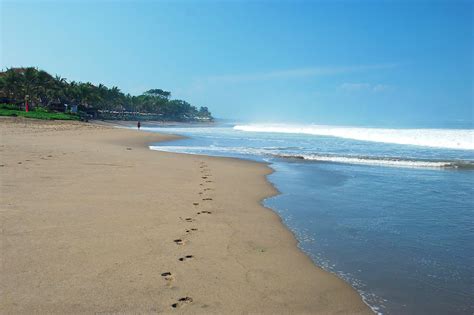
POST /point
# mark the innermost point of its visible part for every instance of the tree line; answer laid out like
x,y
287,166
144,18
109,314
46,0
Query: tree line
x,y
41,89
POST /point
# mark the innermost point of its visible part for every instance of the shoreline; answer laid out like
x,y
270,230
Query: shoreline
x,y
276,192
244,259
148,123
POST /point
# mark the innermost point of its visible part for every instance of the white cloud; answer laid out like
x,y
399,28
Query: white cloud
x,y
355,87
381,87
296,73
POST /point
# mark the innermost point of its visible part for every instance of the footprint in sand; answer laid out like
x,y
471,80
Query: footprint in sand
x,y
206,189
204,212
191,230
204,177
208,181
188,219
182,301
187,257
179,241
168,276
195,203
207,199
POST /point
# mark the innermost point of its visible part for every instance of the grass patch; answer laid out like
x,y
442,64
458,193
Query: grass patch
x,y
9,106
40,114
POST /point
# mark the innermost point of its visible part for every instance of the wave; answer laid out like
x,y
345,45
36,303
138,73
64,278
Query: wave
x,y
382,161
460,139
211,149
343,159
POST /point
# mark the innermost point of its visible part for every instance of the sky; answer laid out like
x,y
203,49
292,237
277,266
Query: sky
x,y
341,62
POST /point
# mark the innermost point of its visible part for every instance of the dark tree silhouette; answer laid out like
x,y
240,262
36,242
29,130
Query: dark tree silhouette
x,y
51,92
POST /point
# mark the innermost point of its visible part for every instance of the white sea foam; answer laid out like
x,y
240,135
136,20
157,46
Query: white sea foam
x,y
210,149
462,139
275,152
380,161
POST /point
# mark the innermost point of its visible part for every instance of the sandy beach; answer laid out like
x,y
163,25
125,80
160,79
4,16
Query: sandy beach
x,y
93,221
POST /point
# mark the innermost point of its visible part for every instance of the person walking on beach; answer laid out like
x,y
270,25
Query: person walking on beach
x,y
139,125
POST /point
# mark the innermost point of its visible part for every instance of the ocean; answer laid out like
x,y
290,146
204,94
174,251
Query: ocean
x,y
390,211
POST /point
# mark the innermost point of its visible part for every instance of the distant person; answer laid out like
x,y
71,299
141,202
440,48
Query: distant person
x,y
139,125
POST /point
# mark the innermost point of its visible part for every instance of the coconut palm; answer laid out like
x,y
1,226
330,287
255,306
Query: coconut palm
x,y
41,88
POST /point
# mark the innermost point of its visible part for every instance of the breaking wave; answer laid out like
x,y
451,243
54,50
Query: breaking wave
x,y
383,161
344,159
461,139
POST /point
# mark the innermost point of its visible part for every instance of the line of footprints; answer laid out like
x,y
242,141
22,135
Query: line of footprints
x,y
168,276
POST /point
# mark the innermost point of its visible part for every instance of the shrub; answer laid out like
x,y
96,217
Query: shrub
x,y
38,114
9,106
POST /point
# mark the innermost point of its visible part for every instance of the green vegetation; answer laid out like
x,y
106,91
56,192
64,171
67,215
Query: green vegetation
x,y
38,114
49,95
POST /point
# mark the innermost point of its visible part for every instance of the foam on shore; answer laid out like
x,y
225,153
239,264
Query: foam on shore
x,y
315,157
461,139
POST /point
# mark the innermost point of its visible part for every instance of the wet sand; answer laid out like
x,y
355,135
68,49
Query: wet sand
x,y
93,221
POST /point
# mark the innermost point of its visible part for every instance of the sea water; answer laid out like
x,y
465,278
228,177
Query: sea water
x,y
390,211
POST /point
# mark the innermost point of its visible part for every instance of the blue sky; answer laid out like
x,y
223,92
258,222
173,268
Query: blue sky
x,y
340,62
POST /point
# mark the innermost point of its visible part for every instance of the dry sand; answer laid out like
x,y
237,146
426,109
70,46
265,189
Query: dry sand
x,y
92,221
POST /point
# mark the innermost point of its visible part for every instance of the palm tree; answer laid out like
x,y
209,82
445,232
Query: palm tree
x,y
38,86
30,87
11,85
45,89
